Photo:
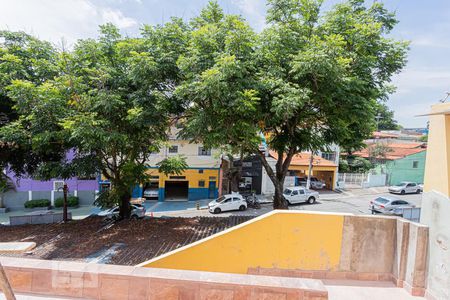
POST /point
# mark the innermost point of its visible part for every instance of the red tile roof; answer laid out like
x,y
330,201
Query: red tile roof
x,y
379,135
397,150
302,159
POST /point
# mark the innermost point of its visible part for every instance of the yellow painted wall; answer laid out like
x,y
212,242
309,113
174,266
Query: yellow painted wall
x,y
280,239
437,165
192,175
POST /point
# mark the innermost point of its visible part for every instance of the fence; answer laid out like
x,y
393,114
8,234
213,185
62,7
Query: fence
x,y
361,180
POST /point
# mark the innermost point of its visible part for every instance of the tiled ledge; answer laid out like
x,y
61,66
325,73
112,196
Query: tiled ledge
x,y
92,281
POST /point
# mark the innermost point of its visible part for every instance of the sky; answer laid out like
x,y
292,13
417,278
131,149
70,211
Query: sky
x,y
426,24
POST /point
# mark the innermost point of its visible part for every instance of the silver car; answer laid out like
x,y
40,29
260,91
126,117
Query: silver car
x,y
315,183
390,206
405,187
137,212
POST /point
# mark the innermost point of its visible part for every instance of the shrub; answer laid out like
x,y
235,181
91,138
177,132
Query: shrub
x,y
71,201
37,203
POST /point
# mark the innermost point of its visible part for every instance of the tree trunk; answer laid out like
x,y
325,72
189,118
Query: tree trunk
x,y
277,177
124,205
278,199
1,200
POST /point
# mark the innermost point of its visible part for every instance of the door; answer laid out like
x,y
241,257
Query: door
x,y
302,195
295,197
212,190
227,204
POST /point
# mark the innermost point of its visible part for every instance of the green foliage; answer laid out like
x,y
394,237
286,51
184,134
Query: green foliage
x,y
173,165
37,203
354,164
309,79
424,138
72,201
387,121
107,199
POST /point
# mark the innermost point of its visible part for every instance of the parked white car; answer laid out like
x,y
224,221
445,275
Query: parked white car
x,y
137,212
389,206
315,183
405,187
228,202
151,193
299,194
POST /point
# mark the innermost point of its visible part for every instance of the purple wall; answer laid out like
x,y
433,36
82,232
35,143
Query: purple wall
x,y
28,184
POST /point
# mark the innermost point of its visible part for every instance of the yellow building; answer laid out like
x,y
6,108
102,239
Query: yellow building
x,y
199,181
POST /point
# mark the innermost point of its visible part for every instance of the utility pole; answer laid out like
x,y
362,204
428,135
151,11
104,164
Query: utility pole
x,y
5,286
378,118
308,181
65,190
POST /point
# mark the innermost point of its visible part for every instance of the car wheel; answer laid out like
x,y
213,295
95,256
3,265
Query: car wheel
x,y
288,203
311,200
217,211
418,192
242,207
402,192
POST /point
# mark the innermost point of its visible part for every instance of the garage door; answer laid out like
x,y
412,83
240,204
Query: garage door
x,y
176,190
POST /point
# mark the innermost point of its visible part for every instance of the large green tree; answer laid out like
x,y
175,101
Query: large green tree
x,y
111,105
26,59
311,78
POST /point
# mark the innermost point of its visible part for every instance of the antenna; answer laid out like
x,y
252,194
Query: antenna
x,y
447,94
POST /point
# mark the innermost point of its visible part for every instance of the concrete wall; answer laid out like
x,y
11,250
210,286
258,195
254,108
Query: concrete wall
x,y
92,281
314,245
16,199
402,169
435,214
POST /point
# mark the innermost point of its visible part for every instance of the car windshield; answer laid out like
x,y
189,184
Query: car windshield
x,y
220,199
287,191
401,184
382,200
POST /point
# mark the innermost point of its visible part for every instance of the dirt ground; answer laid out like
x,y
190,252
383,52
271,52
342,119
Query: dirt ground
x,y
127,242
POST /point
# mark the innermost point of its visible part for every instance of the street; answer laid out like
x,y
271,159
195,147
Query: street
x,y
328,202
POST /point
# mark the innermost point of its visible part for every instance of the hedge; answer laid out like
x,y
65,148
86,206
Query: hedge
x,y
71,201
37,203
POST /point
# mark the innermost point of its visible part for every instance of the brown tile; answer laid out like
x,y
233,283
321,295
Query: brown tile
x,y
138,288
162,289
268,296
67,283
41,281
216,294
368,276
114,287
20,280
91,287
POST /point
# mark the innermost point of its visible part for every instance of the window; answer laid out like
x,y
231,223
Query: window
x,y
154,177
201,183
302,192
212,178
105,186
177,177
236,199
204,152
329,156
173,149
200,171
415,164
294,193
58,185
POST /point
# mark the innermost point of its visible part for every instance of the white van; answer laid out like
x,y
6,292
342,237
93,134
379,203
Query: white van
x,y
299,194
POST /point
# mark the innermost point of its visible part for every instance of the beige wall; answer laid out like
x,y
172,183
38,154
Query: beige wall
x,y
190,151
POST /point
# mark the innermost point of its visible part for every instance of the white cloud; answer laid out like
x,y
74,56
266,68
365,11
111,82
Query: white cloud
x,y
117,17
253,10
412,79
53,20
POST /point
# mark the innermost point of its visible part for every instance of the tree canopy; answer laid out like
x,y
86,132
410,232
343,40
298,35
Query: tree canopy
x,y
309,79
